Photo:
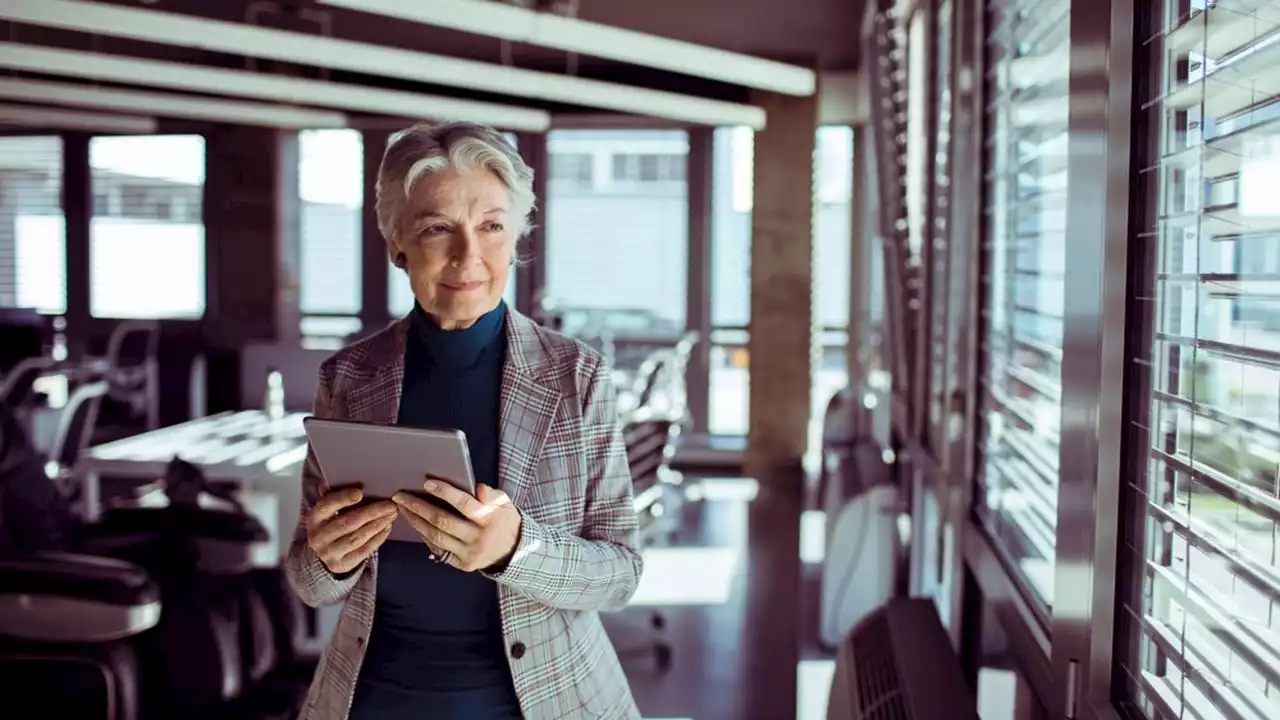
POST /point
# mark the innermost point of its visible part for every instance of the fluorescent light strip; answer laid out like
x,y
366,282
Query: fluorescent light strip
x,y
168,105
508,22
178,76
58,118
239,39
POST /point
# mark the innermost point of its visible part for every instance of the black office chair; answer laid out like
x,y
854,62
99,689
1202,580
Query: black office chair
x,y
214,638
650,444
70,625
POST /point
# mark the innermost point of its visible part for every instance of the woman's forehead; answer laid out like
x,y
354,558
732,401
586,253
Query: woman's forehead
x,y
450,191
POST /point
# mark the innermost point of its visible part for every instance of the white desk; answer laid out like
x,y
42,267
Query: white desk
x,y
264,457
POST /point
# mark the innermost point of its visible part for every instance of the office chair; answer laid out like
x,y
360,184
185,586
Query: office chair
x,y
70,624
650,444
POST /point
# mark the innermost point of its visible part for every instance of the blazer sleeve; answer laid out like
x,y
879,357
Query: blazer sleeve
x,y
600,568
308,576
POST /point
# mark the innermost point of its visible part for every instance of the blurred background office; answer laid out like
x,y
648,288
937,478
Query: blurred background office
x,y
944,330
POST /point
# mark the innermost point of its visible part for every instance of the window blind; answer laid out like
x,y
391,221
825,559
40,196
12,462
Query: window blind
x,y
146,238
1206,619
1022,278
32,230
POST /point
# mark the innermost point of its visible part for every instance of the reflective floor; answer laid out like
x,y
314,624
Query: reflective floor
x,y
740,609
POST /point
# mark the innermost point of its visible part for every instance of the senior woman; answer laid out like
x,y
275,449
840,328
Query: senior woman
x,y
494,615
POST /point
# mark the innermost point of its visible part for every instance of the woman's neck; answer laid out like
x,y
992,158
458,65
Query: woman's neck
x,y
453,345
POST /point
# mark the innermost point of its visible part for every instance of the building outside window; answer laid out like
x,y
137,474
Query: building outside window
x,y
331,188
146,237
32,228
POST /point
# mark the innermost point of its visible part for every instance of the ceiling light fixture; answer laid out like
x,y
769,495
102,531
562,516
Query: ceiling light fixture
x,y
178,30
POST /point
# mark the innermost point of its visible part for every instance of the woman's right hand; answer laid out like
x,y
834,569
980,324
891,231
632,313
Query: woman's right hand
x,y
343,540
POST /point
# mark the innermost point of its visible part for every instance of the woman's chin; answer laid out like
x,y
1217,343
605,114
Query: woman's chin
x,y
464,306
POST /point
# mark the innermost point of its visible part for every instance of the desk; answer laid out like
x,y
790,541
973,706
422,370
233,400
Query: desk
x,y
263,456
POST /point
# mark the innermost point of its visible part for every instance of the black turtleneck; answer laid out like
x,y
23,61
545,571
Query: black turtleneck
x,y
436,649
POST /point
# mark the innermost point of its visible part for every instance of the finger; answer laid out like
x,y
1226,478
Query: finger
x,y
463,502
438,540
334,501
492,497
362,553
459,527
447,522
353,520
361,535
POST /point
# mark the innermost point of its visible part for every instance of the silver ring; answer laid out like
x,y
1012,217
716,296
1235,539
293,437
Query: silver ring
x,y
444,557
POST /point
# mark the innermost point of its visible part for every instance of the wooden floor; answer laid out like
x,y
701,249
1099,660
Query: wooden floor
x,y
740,608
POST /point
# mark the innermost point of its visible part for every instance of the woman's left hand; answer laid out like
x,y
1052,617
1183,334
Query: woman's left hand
x,y
485,535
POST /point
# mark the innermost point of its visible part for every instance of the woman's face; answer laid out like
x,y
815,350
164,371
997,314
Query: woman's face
x,y
458,236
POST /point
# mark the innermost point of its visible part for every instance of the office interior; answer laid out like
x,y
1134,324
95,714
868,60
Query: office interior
x,y
947,386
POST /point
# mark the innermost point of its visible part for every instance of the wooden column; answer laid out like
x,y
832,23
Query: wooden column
x,y
251,209
782,287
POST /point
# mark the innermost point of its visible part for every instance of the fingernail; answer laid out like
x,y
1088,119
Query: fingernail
x,y
429,485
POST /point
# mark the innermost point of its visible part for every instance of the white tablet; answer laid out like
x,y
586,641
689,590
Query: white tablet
x,y
385,459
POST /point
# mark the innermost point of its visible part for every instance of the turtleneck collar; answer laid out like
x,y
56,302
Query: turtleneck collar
x,y
457,349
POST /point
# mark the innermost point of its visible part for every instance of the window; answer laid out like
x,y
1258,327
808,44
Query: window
x,y
1026,129
832,260
616,259
400,293
146,238
32,233
331,186
1205,639
731,189
732,168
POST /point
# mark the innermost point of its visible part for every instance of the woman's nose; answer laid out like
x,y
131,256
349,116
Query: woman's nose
x,y
466,247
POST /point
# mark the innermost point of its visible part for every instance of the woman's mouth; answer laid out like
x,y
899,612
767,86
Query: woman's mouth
x,y
463,286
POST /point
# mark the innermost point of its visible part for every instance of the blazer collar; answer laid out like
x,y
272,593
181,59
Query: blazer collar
x,y
530,396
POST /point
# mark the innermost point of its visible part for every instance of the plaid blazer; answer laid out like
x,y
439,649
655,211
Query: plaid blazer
x,y
562,462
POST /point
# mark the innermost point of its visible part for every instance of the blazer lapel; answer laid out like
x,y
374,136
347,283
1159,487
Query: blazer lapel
x,y
528,405
381,377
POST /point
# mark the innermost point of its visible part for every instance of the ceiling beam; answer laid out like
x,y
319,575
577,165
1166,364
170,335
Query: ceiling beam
x,y
187,31
187,107
50,118
259,86
544,29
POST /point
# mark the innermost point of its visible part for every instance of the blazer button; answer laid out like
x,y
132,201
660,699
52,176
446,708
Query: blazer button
x,y
517,650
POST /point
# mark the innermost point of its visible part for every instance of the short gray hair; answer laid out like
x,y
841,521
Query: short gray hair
x,y
427,147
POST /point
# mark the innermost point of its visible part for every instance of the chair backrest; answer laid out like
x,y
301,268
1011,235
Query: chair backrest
x,y
79,418
650,443
133,343
18,383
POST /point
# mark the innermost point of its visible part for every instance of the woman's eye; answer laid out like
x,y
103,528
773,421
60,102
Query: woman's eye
x,y
434,230
492,227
